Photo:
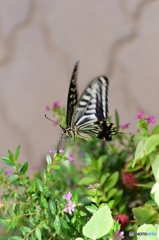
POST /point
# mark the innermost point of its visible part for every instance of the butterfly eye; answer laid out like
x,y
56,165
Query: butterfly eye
x,y
64,131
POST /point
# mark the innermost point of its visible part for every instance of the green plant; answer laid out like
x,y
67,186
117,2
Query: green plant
x,y
118,180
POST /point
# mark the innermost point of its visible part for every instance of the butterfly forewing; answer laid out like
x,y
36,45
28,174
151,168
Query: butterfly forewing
x,y
93,104
72,96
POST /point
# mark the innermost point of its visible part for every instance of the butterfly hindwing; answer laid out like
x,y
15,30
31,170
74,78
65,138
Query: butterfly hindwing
x,y
72,96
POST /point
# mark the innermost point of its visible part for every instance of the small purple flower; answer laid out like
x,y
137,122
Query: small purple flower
x,y
8,172
56,104
126,125
69,207
139,116
150,119
118,235
47,108
61,151
93,186
67,196
53,151
82,153
70,157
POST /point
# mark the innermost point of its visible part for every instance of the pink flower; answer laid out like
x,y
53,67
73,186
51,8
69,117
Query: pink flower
x,y
61,151
67,196
126,125
47,108
69,207
8,172
150,119
139,116
70,157
53,151
56,104
93,186
118,235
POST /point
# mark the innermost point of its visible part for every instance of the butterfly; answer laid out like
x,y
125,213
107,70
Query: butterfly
x,y
86,117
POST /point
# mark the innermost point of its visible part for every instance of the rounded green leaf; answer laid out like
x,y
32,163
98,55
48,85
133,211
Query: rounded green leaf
x,y
151,144
145,214
149,229
99,224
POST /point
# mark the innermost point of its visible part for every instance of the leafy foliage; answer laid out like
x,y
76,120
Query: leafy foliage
x,y
62,202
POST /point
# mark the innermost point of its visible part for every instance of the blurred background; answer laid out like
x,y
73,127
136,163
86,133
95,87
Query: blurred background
x,y
40,41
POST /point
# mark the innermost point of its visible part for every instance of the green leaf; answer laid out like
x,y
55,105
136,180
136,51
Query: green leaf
x,y
139,153
151,143
112,180
103,178
56,167
112,192
155,130
117,119
155,166
117,197
2,170
32,187
99,224
11,157
15,238
52,207
100,161
13,177
155,192
48,159
38,233
92,208
39,184
57,224
9,163
64,223
145,214
149,229
17,153
19,165
24,169
44,202
87,181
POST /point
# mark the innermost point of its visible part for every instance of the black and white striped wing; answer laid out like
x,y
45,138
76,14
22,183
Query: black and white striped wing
x,y
72,96
92,106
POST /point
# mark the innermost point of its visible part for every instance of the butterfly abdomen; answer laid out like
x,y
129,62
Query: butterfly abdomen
x,y
106,130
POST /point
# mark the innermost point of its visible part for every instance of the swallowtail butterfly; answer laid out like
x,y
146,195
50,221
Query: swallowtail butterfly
x,y
86,117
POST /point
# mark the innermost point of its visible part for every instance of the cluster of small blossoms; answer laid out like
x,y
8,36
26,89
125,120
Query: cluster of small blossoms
x,y
62,151
70,207
55,105
150,119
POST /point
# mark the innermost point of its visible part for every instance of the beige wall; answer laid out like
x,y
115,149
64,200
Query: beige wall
x,y
39,44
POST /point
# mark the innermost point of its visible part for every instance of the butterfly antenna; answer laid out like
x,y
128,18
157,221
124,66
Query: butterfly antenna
x,y
53,121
